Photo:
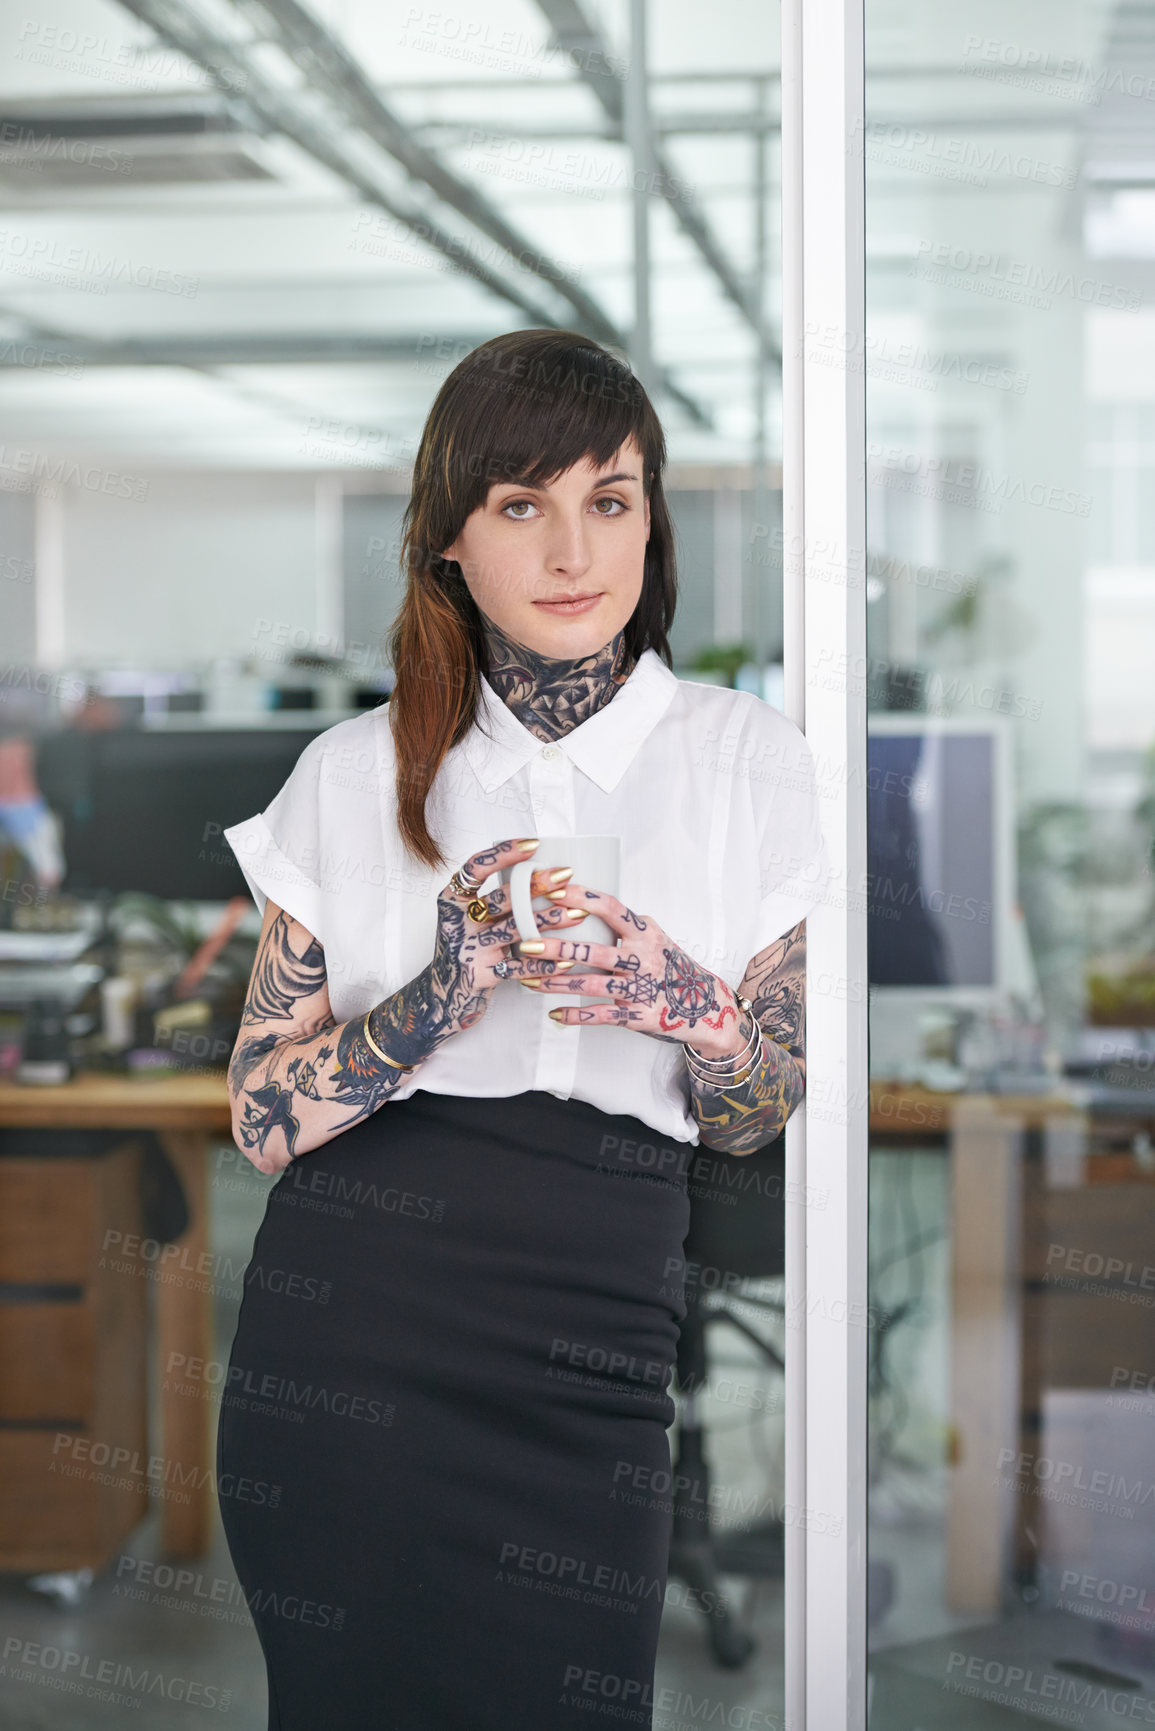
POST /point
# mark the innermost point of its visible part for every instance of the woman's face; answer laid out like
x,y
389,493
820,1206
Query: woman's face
x,y
559,567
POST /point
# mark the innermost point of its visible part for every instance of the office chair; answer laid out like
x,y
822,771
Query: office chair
x,y
736,1233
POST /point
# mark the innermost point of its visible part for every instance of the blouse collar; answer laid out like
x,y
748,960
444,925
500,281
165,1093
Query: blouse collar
x,y
602,747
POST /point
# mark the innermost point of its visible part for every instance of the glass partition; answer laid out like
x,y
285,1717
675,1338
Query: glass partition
x,y
1010,374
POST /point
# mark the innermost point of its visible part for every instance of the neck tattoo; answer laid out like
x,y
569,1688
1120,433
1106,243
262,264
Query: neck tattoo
x,y
550,697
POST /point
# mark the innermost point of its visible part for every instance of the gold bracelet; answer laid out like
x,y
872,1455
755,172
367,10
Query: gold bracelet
x,y
384,1056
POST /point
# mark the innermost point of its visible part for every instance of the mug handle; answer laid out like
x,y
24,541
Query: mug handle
x,y
520,899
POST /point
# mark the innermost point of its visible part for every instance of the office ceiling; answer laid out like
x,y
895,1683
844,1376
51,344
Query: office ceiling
x,y
258,235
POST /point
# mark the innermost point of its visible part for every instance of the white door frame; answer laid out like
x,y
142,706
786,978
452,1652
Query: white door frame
x,y
824,564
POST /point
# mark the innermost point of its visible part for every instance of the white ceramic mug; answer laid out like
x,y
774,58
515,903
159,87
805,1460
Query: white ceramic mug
x,y
596,862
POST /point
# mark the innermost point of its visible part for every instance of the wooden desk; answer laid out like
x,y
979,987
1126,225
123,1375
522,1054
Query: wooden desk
x,y
901,1109
186,1112
990,1356
1024,1184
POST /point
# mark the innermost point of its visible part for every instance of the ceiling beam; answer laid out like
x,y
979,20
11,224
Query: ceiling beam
x,y
581,39
233,349
328,64
275,110
279,110
330,68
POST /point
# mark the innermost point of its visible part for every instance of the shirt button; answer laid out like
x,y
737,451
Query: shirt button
x,y
550,754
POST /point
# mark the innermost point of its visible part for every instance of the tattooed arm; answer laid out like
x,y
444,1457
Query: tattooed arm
x,y
297,1078
738,1120
657,988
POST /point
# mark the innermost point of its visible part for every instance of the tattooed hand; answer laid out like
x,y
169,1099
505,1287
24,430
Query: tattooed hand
x,y
473,938
649,982
297,1078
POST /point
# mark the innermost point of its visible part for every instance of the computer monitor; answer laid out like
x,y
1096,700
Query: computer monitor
x,y
941,896
146,809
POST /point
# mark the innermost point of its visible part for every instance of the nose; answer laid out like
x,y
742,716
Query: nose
x,y
567,549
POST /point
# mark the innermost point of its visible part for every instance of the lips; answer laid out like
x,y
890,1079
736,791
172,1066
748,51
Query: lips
x,y
571,603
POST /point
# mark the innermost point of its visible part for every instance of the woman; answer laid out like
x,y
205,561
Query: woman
x,y
462,1310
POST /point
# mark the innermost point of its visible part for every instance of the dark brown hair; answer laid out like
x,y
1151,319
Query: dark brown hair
x,y
522,407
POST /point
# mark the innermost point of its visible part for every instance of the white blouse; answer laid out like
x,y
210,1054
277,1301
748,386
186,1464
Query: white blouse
x,y
712,792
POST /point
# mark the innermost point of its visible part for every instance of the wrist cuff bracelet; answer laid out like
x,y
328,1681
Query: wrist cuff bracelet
x,y
744,1007
732,1058
742,1073
736,1068
372,1044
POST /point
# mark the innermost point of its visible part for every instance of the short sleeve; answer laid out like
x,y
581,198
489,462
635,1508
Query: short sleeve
x,y
278,850
794,868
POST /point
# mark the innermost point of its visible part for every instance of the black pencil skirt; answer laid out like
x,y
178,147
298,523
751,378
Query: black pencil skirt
x,y
449,1394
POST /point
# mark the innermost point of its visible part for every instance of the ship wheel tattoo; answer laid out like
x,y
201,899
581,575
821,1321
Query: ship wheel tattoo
x,y
689,989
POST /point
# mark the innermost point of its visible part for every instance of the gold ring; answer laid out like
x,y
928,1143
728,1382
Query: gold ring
x,y
463,885
478,911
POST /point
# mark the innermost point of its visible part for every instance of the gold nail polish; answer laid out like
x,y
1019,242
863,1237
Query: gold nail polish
x,y
527,843
575,913
563,967
531,947
556,1015
555,895
530,985
562,875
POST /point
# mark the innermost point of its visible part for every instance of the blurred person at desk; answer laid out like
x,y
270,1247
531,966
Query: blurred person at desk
x,y
30,855
466,1174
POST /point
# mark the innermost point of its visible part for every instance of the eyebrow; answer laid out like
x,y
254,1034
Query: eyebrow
x,y
605,481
